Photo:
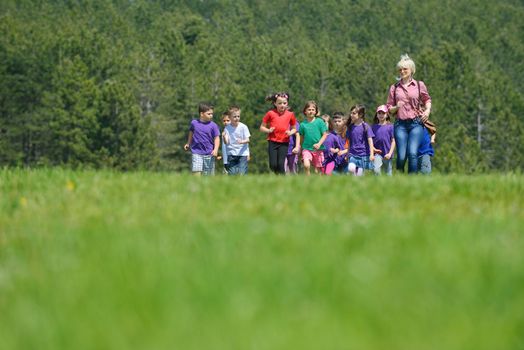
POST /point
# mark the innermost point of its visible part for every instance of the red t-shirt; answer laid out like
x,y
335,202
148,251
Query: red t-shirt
x,y
281,123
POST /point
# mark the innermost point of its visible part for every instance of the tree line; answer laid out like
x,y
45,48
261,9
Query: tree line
x,y
116,83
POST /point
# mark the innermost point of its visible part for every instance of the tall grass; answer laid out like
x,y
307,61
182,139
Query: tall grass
x,y
103,260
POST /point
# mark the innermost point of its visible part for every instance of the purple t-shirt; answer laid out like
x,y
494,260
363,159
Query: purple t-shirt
x,y
293,140
333,140
383,137
358,139
343,158
204,134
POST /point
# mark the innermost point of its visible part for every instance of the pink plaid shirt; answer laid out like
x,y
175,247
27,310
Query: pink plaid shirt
x,y
409,95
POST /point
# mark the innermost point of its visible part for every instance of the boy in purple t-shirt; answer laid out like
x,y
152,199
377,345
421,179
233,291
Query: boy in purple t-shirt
x,y
335,152
203,140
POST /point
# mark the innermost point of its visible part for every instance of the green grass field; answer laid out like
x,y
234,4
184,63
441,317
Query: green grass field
x,y
102,260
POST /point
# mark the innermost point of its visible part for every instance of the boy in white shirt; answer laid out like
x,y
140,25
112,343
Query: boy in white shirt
x,y
236,138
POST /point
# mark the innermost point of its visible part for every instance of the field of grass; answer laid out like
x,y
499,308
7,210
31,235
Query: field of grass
x,y
102,260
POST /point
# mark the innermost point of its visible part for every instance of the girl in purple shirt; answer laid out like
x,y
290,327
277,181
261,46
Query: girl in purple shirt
x,y
360,138
384,142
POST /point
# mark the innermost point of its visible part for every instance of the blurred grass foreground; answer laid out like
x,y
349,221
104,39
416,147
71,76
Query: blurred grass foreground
x,y
104,260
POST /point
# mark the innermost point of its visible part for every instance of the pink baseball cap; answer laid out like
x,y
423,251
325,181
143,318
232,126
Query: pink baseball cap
x,y
382,108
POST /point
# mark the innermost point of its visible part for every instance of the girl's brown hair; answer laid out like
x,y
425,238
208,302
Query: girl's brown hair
x,y
376,121
273,97
361,111
309,104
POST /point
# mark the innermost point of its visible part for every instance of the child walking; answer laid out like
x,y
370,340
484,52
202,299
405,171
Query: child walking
x,y
291,163
425,150
236,139
313,131
279,125
335,151
360,138
225,122
384,141
203,140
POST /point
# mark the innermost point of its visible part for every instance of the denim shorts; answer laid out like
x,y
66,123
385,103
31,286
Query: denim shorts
x,y
361,162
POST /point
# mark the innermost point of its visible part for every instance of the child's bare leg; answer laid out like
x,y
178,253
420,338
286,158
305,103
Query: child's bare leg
x,y
307,166
352,168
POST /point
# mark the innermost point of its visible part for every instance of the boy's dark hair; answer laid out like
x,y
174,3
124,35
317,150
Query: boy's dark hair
x,y
338,115
273,97
204,107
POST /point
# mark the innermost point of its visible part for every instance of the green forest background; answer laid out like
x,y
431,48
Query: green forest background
x,y
114,84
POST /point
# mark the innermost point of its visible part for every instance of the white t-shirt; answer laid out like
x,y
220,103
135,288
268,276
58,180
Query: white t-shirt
x,y
241,132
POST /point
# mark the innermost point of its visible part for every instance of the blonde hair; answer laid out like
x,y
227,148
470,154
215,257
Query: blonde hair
x,y
407,62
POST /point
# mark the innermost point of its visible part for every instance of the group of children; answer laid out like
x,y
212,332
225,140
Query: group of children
x,y
325,144
204,139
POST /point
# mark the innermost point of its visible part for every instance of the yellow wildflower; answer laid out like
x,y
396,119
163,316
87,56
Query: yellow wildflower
x,y
70,185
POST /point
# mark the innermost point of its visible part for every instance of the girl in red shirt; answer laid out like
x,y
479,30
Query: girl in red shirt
x,y
279,125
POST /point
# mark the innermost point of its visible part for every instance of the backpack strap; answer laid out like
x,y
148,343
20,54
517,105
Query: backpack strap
x,y
366,136
397,84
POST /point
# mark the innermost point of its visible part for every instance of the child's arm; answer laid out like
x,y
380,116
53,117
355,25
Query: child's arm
x,y
266,129
214,153
225,137
393,146
321,141
245,136
433,138
296,150
371,148
292,131
189,140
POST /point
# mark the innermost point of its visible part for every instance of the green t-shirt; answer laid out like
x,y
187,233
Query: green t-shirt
x,y
312,132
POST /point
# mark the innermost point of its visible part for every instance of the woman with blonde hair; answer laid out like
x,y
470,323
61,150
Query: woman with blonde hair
x,y
409,100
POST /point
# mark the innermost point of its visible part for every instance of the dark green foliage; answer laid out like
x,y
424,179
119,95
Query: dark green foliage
x,y
116,83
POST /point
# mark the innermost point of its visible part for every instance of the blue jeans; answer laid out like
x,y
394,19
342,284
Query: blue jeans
x,y
424,164
381,164
408,136
236,165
